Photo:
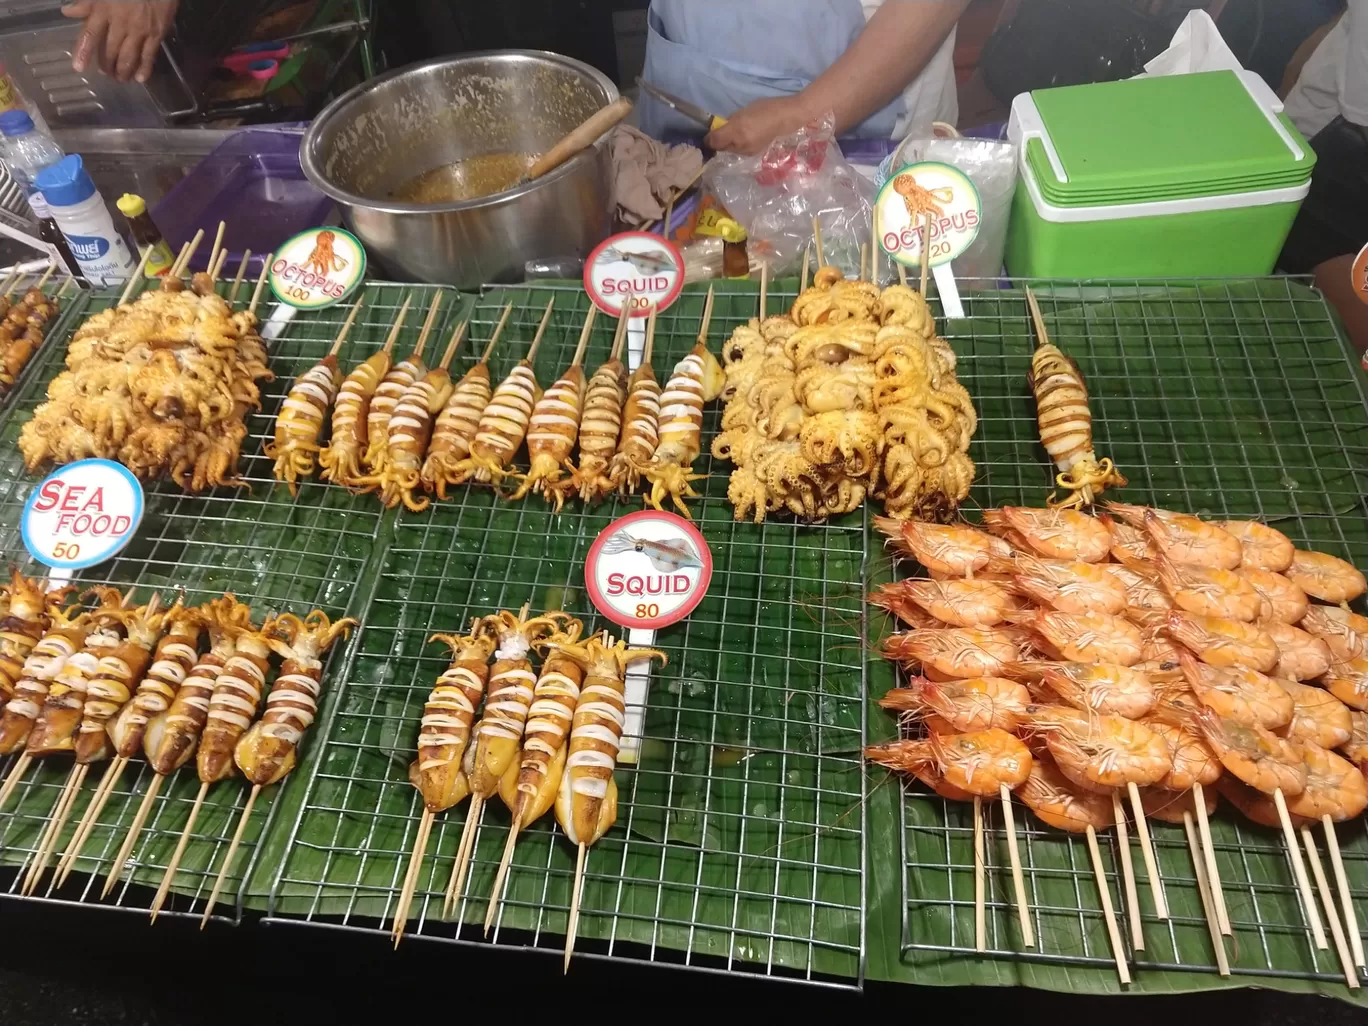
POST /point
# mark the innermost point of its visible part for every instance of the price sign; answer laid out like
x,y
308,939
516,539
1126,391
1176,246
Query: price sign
x,y
637,264
318,268
940,190
82,514
648,569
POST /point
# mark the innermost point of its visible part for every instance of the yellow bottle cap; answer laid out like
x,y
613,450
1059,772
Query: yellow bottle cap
x,y
131,205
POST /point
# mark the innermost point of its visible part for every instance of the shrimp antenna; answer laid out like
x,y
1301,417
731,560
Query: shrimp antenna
x,y
498,330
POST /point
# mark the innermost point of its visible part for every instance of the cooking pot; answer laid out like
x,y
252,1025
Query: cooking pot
x,y
381,134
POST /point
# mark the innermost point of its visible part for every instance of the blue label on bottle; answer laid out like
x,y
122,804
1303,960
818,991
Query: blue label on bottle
x,y
88,247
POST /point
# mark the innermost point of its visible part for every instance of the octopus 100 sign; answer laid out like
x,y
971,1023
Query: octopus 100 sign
x,y
648,569
82,514
318,268
939,191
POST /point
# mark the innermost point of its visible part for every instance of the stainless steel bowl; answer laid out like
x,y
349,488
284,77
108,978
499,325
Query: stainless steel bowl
x,y
381,134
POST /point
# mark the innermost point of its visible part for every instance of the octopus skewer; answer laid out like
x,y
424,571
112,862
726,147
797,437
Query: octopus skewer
x,y
640,433
399,379
443,740
602,420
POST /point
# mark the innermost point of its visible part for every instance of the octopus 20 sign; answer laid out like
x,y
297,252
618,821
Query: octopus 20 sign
x,y
648,569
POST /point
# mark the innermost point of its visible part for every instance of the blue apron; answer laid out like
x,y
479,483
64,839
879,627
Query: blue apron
x,y
722,54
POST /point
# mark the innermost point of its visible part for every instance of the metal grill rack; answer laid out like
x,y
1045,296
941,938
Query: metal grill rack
x,y
739,843
1225,399
274,552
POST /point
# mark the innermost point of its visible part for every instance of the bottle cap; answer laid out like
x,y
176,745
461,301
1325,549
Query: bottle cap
x,y
131,205
65,183
15,122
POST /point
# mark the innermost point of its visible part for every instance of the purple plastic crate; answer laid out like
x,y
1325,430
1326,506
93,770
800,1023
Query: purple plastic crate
x,y
253,182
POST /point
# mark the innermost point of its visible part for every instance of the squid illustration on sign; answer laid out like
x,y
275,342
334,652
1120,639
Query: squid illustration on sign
x,y
665,556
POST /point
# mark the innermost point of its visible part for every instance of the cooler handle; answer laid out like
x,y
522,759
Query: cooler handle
x,y
1270,106
1026,123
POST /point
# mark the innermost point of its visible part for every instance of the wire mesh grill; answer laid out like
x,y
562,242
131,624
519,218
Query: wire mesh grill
x,y
1225,399
739,839
274,553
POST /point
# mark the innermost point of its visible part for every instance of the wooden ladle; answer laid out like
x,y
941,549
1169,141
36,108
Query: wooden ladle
x,y
581,136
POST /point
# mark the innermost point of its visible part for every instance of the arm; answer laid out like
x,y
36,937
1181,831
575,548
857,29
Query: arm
x,y
889,53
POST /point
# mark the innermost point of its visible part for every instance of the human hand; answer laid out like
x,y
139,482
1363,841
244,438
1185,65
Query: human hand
x,y
124,35
758,124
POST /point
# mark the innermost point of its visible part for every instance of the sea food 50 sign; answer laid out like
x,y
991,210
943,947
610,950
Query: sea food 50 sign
x,y
918,190
82,514
318,268
648,569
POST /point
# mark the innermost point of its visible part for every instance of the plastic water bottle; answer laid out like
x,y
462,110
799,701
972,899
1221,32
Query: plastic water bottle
x,y
27,149
80,211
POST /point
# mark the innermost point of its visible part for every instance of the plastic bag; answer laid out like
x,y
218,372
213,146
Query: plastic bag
x,y
776,195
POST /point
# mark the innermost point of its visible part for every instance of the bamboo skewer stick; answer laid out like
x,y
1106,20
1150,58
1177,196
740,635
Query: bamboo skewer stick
x,y
902,274
187,254
864,255
52,266
466,849
1108,913
213,253
135,277
65,285
764,287
577,892
1204,892
803,279
343,331
433,307
116,870
260,283
1132,896
176,856
498,330
817,241
702,339
228,859
541,330
83,829
496,893
1346,898
1336,930
1209,854
398,324
454,344
16,772
649,345
1018,881
584,335
925,252
1147,852
61,812
875,250
401,911
237,278
1299,871
980,912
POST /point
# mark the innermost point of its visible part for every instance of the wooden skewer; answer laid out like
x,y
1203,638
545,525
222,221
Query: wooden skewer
x,y
216,271
541,330
980,911
1018,881
1147,852
874,248
577,891
1346,898
925,252
584,335
1108,913
237,278
764,287
707,318
83,829
346,325
126,849
65,285
16,772
456,337
817,240
650,334
496,893
1128,874
57,820
463,855
498,330
1336,931
260,283
176,856
620,332
1299,871
401,911
135,277
7,281
433,307
1209,854
1204,892
902,275
218,241
674,198
398,324
52,266
187,254
228,859
803,279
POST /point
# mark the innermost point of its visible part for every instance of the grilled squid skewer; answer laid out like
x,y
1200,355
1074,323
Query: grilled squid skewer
x,y
459,419
299,425
586,800
602,421
443,739
1066,422
640,431
270,747
503,424
697,379
340,460
24,621
554,427
399,380
62,641
410,428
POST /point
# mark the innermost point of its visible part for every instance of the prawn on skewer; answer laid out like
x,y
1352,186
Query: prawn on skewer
x,y
640,416
299,425
459,419
1066,422
978,703
341,459
602,421
398,380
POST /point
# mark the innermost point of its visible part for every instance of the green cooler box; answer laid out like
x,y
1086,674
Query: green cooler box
x,y
1173,176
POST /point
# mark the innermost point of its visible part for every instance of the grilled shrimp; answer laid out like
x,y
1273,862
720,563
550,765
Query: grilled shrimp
x,y
1105,688
929,774
1244,696
1286,603
1183,537
1255,805
1128,543
1053,533
954,550
1221,593
1356,748
963,705
1070,586
1334,787
1345,634
1058,803
1087,637
1318,716
1325,577
1261,547
978,762
1193,760
340,459
1258,757
1347,680
1102,751
1300,655
957,652
968,603
1170,806
1223,642
1142,589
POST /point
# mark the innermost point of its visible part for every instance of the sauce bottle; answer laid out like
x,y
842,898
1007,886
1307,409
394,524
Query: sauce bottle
x,y
146,233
